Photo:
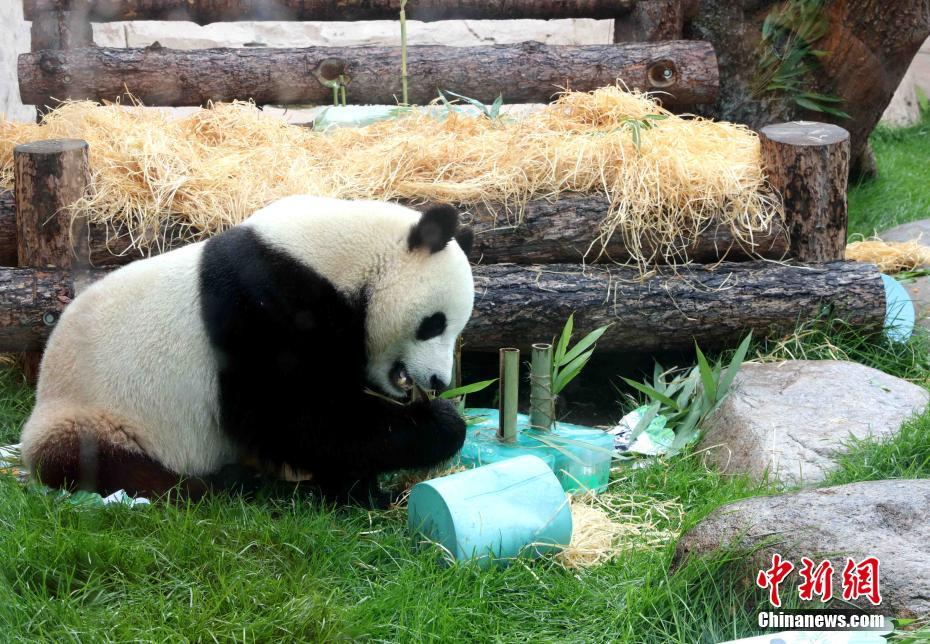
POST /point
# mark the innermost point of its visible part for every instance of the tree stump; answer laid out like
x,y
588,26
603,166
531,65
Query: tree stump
x,y
50,176
808,164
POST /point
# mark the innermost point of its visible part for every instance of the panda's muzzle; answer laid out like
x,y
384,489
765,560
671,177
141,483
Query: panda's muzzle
x,y
399,377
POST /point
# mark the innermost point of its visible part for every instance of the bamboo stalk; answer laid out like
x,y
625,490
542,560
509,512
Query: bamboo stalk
x,y
541,401
457,364
509,393
403,51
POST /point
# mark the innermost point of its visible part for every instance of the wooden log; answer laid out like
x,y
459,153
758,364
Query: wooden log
x,y
567,231
808,165
9,253
207,11
650,21
31,301
519,305
529,72
561,231
49,176
61,30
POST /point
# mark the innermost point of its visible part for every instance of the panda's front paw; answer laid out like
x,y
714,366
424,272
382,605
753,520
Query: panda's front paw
x,y
449,427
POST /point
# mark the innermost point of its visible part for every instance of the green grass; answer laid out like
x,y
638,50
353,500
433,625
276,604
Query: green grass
x,y
904,455
901,193
286,568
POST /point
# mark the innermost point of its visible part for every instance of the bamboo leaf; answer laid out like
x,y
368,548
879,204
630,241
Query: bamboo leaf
x,y
835,112
823,98
467,389
569,371
687,392
727,379
808,104
562,344
652,393
707,376
478,104
583,344
496,106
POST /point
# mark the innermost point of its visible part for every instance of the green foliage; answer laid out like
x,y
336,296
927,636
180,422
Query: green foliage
x,y
568,363
638,126
460,392
787,56
16,399
689,397
905,454
832,339
901,192
492,113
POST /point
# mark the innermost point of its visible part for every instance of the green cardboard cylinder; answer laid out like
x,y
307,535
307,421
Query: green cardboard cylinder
x,y
542,405
509,394
513,508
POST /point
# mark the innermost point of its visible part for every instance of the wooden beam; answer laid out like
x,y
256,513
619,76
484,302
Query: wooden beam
x,y
207,11
61,30
567,231
807,163
519,305
49,176
563,231
651,21
685,71
9,254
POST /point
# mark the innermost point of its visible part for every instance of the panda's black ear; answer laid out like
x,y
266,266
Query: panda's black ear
x,y
436,228
465,237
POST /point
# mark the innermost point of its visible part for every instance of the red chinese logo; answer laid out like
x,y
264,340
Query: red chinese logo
x,y
773,577
817,581
861,580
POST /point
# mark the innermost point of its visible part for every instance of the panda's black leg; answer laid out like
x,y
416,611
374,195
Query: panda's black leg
x,y
365,492
414,436
385,437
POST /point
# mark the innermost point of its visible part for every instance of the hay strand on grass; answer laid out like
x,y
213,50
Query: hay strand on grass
x,y
890,257
665,177
608,525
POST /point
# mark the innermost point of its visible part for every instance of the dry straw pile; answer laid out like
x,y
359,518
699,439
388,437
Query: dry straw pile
x,y
665,178
890,257
608,525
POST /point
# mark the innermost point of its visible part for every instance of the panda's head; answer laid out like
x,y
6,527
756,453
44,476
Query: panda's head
x,y
419,305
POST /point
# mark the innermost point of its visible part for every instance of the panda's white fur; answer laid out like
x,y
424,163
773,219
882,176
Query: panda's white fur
x,y
130,362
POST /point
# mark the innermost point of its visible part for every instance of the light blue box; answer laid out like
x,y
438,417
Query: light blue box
x,y
492,514
580,456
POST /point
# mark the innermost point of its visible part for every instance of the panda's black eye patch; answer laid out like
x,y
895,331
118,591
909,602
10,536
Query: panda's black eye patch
x,y
432,326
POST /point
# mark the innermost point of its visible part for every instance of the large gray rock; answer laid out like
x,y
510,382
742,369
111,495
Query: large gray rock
x,y
886,519
911,231
789,420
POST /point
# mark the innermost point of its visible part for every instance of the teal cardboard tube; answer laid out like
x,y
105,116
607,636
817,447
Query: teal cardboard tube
x,y
492,514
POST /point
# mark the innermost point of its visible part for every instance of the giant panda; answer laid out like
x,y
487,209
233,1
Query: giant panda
x,y
258,345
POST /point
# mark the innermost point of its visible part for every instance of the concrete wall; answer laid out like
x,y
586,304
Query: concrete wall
x,y
14,39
